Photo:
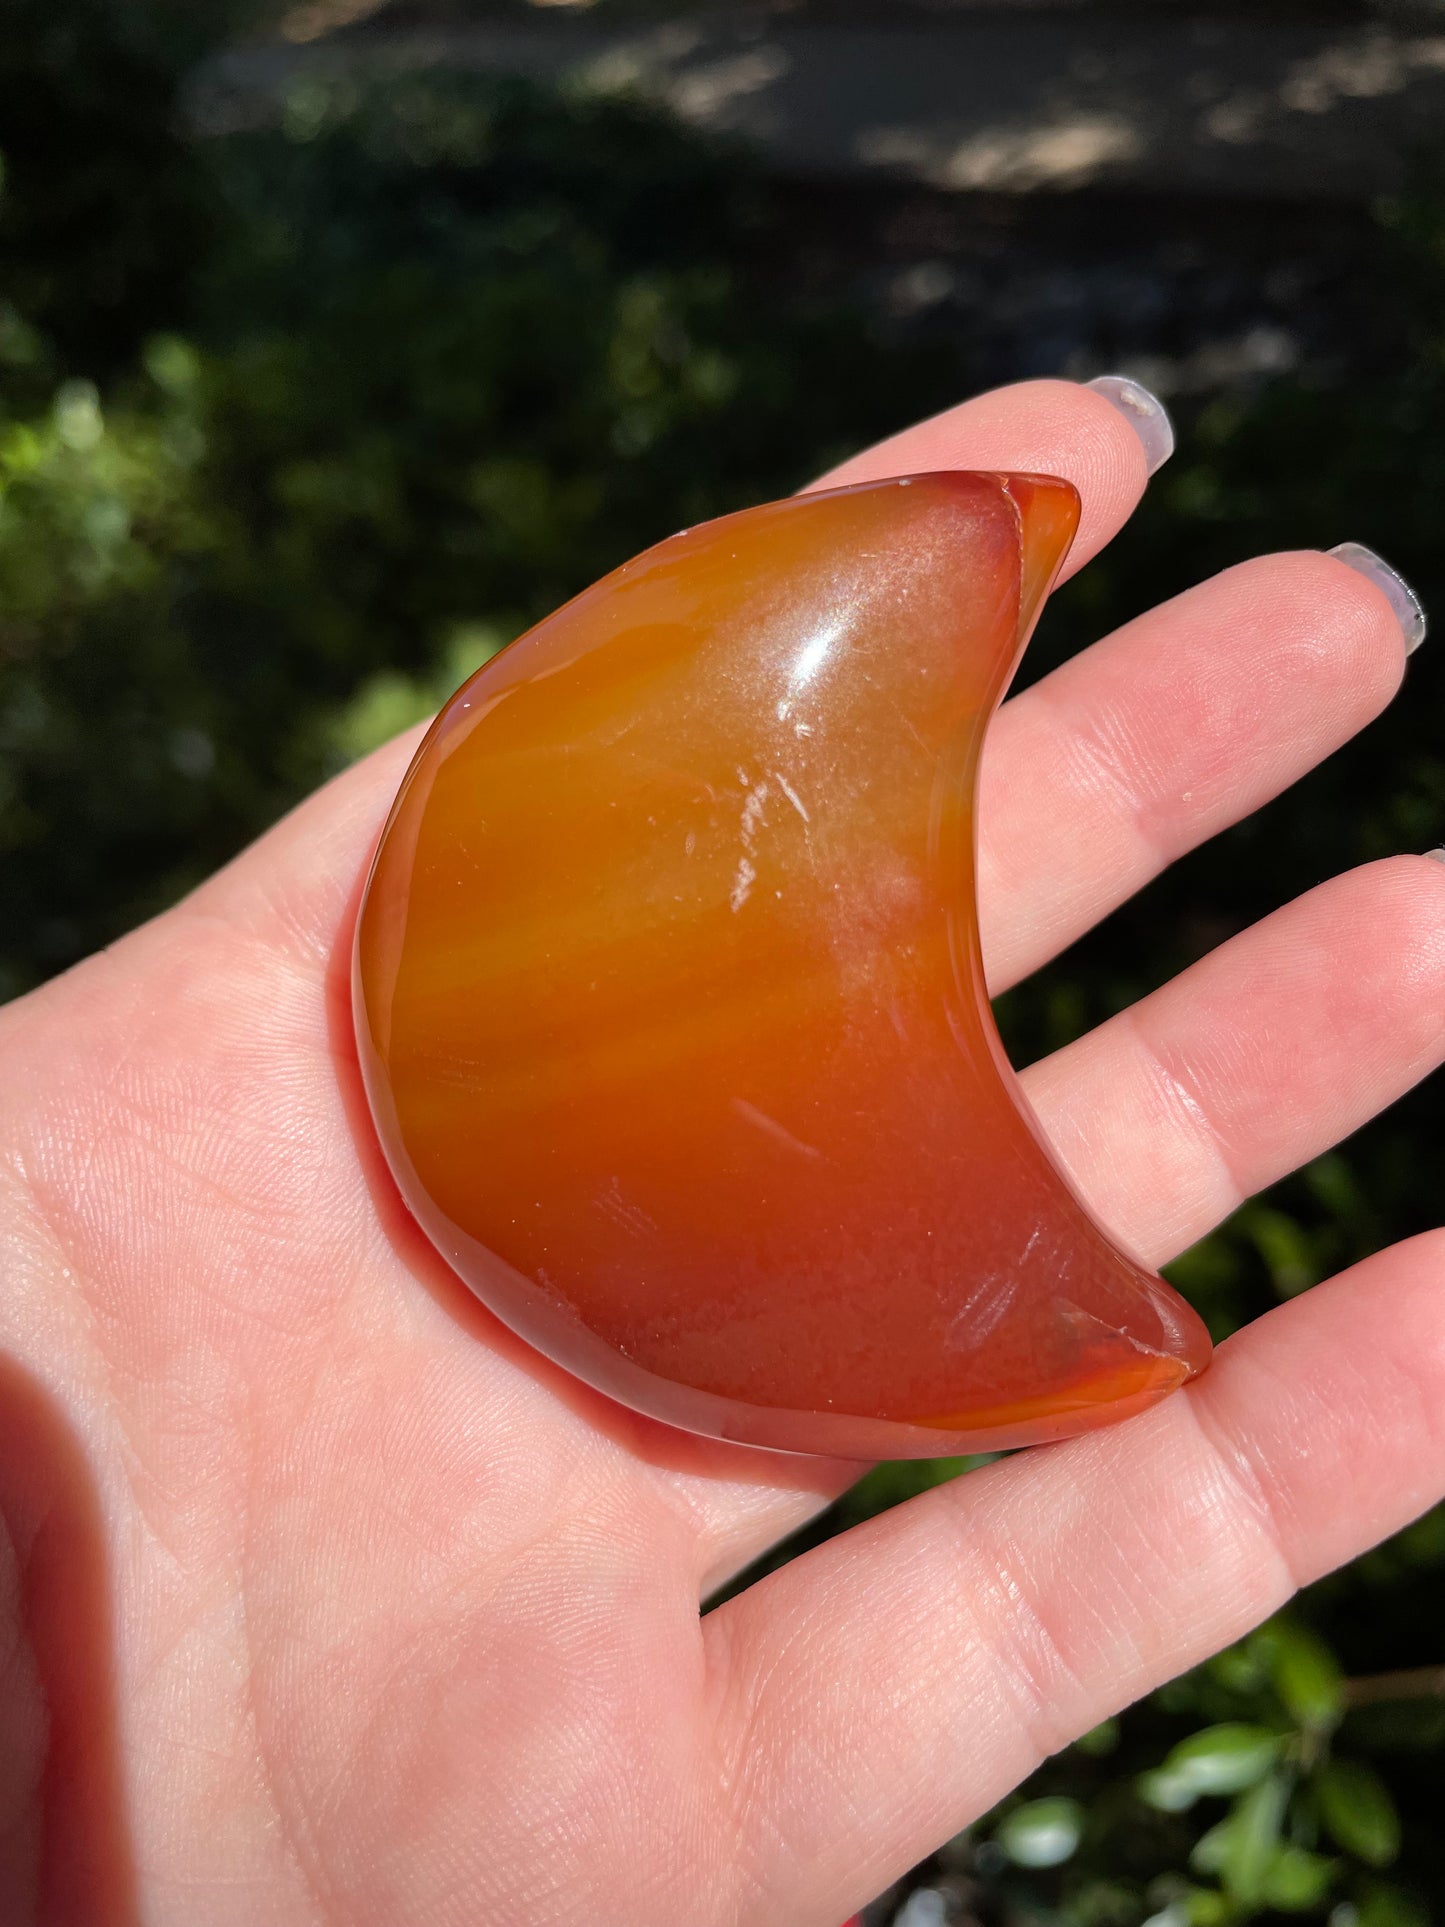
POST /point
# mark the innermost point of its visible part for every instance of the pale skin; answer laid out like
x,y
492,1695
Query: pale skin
x,y
367,1615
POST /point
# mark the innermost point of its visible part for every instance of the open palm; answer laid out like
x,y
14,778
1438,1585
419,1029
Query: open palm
x,y
324,1599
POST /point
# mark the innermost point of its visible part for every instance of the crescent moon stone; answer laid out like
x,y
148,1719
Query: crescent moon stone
x,y
670,1006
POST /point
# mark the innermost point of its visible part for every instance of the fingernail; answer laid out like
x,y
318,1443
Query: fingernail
x,y
1144,412
1438,854
1397,591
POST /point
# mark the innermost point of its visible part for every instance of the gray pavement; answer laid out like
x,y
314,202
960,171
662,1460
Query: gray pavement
x,y
1010,101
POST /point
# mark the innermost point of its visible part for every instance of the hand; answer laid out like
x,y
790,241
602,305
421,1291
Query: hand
x,y
325,1600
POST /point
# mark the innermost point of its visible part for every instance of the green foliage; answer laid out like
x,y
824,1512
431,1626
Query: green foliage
x,y
1358,1811
102,219
440,355
1042,1833
299,424
1274,1813
1383,1906
1217,1759
1326,1793
1304,1673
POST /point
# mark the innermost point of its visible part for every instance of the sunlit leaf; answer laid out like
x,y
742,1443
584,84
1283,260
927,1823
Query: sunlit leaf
x,y
1217,1760
1166,1792
1042,1833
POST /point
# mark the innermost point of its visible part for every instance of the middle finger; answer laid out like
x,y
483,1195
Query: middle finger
x,y
1155,739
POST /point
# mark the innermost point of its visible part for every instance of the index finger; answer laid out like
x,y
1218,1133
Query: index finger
x,y
1106,437
298,880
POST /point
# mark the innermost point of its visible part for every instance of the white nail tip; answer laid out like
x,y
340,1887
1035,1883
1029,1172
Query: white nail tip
x,y
1144,412
1409,611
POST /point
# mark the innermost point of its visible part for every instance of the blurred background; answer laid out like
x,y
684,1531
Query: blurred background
x,y
341,340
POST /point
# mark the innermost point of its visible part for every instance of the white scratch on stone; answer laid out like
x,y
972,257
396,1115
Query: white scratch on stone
x,y
631,1217
752,1115
753,813
980,1312
1077,1315
792,795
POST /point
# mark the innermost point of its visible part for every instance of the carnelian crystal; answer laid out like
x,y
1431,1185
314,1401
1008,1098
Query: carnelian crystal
x,y
671,1010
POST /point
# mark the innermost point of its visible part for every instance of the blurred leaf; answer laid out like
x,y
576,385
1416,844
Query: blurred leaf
x,y
1218,1760
1384,1905
1241,1669
390,702
1296,1881
1255,1866
1335,1184
1284,1247
1356,1807
1252,1841
1042,1833
384,706
1166,1792
1205,1908
1211,1849
1100,1741
1306,1674
1193,1907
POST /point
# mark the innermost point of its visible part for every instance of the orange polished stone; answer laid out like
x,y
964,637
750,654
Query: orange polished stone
x,y
670,1005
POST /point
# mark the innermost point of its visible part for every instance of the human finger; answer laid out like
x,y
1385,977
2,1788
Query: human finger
x,y
1159,736
878,1693
1076,430
1259,1057
1251,1062
301,875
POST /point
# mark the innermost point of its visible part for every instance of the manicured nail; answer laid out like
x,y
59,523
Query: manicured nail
x,y
1144,412
1397,591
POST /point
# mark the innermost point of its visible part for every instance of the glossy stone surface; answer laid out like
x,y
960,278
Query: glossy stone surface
x,y
670,1005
